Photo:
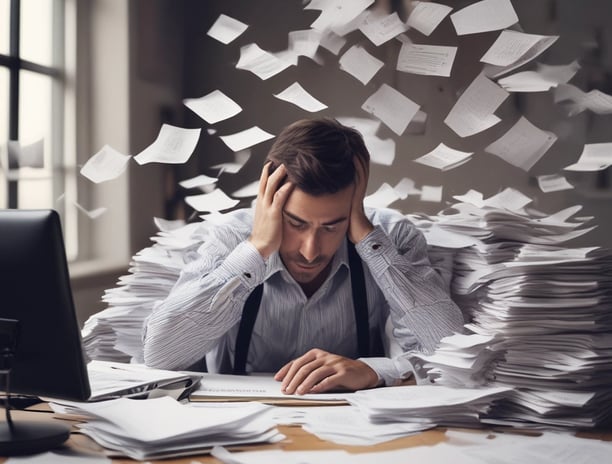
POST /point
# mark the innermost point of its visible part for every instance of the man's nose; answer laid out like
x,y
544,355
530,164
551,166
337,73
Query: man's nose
x,y
310,246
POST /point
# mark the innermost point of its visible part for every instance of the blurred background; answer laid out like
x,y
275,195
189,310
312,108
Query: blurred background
x,y
76,75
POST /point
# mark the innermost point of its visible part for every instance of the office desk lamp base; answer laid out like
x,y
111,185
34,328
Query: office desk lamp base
x,y
30,437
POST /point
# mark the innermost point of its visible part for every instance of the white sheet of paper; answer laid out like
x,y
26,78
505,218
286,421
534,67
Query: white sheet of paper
x,y
198,181
473,111
509,198
91,214
393,108
513,49
216,200
483,16
360,64
383,197
232,167
523,145
174,145
426,16
337,13
226,29
431,193
382,151
26,156
381,28
594,157
406,187
213,107
167,225
595,100
64,455
472,197
249,190
363,125
296,94
444,158
304,42
105,165
427,60
553,183
261,63
246,138
332,42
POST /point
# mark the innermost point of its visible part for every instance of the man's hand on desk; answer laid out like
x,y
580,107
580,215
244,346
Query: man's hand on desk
x,y
318,371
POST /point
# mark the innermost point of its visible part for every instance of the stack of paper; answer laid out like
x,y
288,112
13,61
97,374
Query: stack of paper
x,y
115,334
427,405
124,427
538,312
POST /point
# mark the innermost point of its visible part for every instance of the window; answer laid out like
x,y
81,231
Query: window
x,y
34,154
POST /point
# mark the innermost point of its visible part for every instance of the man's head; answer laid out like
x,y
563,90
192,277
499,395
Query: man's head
x,y
319,156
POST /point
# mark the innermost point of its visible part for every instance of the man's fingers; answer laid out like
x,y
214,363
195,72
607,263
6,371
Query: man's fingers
x,y
282,372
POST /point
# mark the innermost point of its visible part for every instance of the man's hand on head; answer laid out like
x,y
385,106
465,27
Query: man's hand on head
x,y
318,371
359,225
266,235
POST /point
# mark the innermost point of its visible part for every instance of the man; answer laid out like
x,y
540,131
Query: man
x,y
303,284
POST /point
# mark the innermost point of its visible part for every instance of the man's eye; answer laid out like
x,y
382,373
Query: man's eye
x,y
330,228
296,225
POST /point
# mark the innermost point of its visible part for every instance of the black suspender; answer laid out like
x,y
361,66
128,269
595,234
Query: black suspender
x,y
360,305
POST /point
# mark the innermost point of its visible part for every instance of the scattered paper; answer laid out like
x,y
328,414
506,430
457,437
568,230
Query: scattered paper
x,y
431,193
332,42
296,94
105,165
337,13
523,145
473,111
509,198
91,214
382,151
546,77
198,181
406,187
594,100
444,158
261,63
249,190
27,156
166,225
226,29
392,107
594,157
174,145
513,49
426,16
232,167
246,138
214,107
383,197
381,28
553,183
483,16
360,64
428,60
216,200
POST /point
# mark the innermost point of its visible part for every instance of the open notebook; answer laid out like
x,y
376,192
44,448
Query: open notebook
x,y
38,323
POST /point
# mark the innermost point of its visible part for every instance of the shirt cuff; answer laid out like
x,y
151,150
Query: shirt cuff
x,y
385,368
246,263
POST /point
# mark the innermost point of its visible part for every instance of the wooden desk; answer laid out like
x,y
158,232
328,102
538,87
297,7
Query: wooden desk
x,y
297,440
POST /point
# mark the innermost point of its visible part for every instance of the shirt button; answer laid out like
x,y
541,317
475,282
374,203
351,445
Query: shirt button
x,y
247,275
376,246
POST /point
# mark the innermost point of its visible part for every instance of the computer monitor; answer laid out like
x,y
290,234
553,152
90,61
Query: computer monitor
x,y
47,358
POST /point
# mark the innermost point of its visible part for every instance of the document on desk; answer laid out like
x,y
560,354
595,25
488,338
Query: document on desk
x,y
112,380
262,388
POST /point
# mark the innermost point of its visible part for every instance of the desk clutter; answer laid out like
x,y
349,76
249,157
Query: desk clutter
x,y
536,348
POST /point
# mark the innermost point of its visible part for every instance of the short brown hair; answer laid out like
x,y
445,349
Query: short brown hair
x,y
318,155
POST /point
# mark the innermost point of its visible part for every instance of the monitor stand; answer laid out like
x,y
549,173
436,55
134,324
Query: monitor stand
x,y
30,437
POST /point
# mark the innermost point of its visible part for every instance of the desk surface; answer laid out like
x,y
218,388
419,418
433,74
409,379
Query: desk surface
x,y
297,440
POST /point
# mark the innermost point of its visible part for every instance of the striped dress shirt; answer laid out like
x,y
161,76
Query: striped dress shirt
x,y
201,315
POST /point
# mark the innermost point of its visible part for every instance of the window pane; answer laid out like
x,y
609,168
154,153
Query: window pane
x,y
35,184
5,30
4,110
36,38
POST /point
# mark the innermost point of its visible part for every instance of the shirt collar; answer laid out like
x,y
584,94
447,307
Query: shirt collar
x,y
275,263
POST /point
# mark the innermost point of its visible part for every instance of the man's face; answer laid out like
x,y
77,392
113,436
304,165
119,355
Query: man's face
x,y
313,230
